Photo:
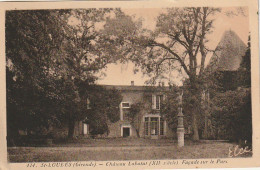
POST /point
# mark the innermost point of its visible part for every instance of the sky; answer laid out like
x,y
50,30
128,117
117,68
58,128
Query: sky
x,y
122,74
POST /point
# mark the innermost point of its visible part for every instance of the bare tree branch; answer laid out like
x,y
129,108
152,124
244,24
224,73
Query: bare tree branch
x,y
153,43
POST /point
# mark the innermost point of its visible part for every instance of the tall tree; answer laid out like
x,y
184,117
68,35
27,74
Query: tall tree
x,y
180,38
232,109
28,53
81,59
58,53
244,70
104,108
135,116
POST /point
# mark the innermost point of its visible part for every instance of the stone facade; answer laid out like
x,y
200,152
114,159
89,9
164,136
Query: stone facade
x,y
149,122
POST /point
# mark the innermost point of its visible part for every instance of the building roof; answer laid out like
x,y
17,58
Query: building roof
x,y
228,54
136,88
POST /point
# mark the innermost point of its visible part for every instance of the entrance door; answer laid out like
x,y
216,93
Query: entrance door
x,y
85,129
126,132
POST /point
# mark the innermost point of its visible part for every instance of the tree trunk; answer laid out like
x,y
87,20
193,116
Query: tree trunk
x,y
137,133
71,128
196,95
12,136
195,127
206,133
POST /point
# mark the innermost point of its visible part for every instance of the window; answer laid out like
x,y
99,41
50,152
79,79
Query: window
x,y
126,112
125,105
157,101
125,109
154,126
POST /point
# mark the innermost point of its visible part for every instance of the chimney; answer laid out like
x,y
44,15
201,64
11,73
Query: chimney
x,y
132,83
159,84
162,84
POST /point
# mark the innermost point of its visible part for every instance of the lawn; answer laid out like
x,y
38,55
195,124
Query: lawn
x,y
116,142
120,149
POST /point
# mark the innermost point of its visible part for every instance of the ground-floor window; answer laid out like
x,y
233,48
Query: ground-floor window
x,y
153,126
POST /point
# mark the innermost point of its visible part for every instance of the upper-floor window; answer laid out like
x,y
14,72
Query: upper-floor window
x,y
125,105
157,101
124,111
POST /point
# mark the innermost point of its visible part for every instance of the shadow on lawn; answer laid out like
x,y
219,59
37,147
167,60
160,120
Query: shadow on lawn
x,y
119,142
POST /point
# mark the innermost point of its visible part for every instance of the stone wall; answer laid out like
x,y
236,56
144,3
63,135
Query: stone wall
x,y
115,129
132,97
135,97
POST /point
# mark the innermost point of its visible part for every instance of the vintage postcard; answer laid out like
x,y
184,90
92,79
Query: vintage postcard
x,y
129,84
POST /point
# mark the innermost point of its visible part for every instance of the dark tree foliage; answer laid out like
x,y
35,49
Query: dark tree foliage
x,y
28,51
104,108
135,116
170,108
232,117
231,109
51,62
134,111
225,80
244,76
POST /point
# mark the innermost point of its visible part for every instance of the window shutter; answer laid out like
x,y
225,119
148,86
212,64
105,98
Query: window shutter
x,y
121,111
88,104
153,101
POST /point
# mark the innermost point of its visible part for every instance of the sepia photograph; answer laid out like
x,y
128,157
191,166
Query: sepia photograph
x,y
121,84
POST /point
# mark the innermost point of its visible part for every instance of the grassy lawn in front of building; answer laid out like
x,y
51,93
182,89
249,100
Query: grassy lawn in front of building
x,y
116,142
121,149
